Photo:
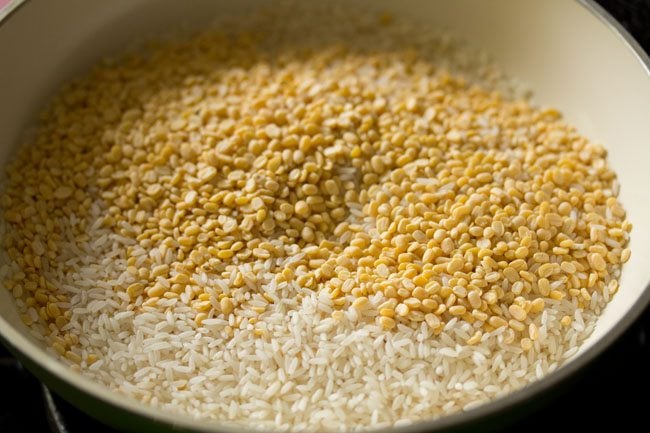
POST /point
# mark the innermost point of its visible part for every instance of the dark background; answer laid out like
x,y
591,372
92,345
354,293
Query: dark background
x,y
615,388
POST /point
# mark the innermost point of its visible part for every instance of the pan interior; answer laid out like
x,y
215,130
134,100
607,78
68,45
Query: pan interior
x,y
567,56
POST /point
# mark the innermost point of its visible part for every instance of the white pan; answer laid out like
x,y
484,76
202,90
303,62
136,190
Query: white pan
x,y
570,53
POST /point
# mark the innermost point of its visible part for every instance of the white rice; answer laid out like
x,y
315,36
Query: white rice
x,y
312,372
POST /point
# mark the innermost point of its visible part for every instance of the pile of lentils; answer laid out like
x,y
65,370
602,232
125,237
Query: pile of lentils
x,y
377,171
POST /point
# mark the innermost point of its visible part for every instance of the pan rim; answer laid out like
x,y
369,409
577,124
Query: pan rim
x,y
31,350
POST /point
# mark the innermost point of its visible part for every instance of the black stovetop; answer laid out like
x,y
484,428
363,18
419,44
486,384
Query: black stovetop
x,y
613,388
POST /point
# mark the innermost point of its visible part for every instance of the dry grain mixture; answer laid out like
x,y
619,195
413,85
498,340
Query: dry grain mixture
x,y
349,235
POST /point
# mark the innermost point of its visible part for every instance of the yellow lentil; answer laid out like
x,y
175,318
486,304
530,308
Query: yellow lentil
x,y
397,190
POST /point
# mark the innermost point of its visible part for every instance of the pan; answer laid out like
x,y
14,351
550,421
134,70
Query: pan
x,y
572,54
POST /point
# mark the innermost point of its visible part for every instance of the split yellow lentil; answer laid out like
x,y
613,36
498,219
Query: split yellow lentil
x,y
377,172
